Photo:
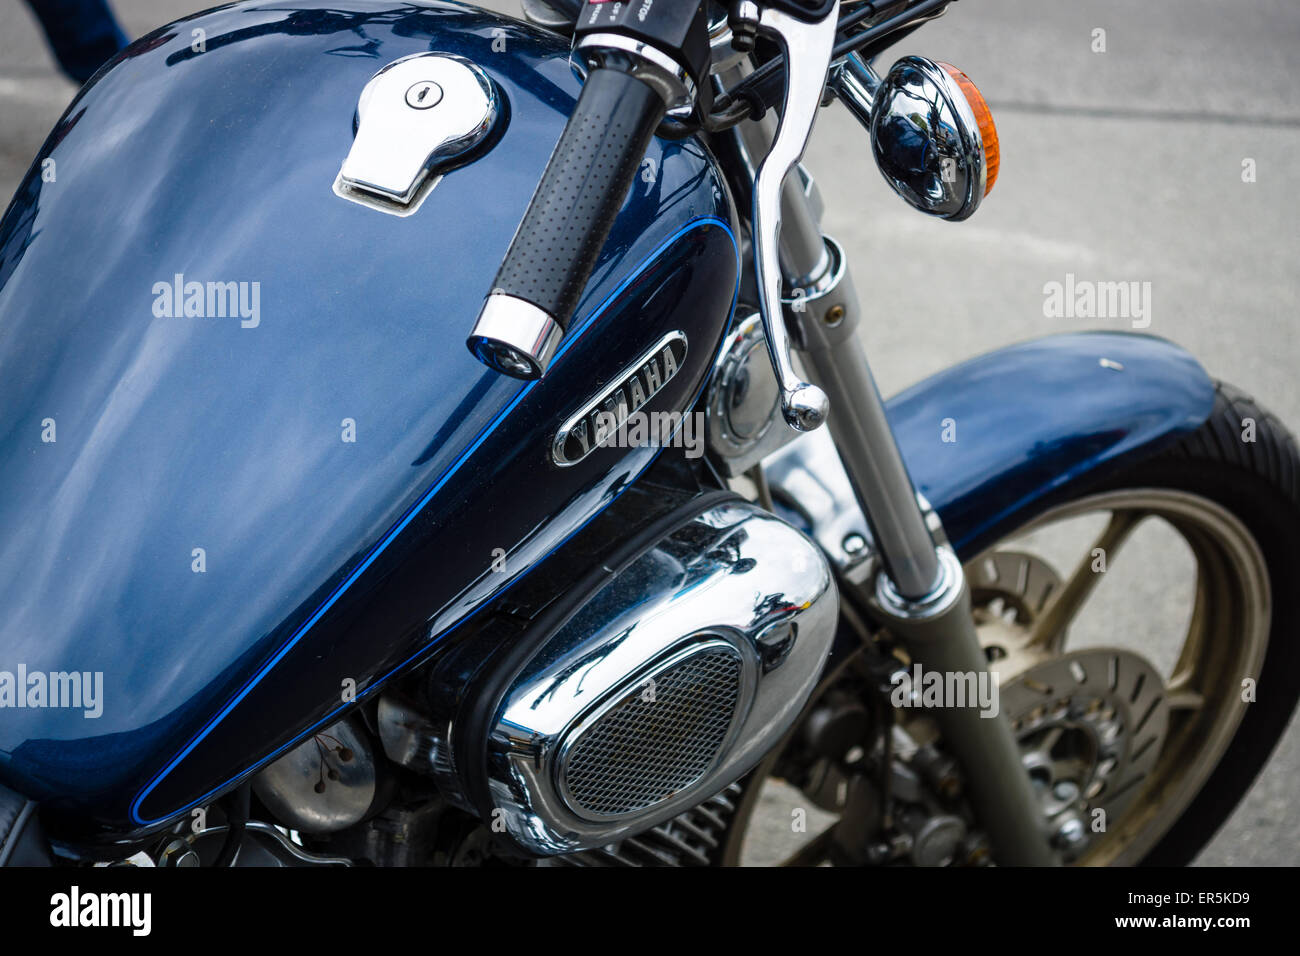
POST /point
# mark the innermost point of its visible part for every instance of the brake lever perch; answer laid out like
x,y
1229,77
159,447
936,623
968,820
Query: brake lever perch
x,y
807,47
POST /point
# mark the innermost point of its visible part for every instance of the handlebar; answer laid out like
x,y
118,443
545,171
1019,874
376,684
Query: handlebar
x,y
645,61
567,222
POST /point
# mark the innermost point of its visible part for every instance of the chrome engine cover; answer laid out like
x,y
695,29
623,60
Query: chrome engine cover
x,y
675,679
665,687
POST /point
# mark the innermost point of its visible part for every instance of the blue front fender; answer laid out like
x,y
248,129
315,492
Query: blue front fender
x,y
993,441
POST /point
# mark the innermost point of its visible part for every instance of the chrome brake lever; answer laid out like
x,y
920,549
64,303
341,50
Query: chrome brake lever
x,y
807,48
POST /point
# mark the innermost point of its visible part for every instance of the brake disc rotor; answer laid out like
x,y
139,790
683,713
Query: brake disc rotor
x,y
1009,590
1091,723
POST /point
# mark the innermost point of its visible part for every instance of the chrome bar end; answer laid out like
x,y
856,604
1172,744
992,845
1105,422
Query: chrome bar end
x,y
515,337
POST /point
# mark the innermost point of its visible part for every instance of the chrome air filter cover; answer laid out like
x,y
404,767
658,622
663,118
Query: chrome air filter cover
x,y
671,682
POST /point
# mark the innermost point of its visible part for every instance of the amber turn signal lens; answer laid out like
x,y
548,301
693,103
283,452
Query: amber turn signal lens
x,y
984,119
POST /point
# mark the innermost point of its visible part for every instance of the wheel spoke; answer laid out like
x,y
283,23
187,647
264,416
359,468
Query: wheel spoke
x,y
1189,657
1049,740
1052,622
1183,697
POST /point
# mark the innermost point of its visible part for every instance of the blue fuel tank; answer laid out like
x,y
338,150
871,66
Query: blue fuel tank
x,y
218,533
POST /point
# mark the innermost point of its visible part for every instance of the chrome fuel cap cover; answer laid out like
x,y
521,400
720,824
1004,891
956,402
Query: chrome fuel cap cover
x,y
415,117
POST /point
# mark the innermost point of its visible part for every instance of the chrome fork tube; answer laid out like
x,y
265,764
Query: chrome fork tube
x,y
870,454
920,591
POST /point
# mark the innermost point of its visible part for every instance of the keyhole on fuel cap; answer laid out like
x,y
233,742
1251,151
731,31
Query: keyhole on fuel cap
x,y
424,94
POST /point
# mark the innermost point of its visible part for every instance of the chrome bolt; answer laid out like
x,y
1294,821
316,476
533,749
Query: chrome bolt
x,y
1066,791
743,20
1071,834
853,543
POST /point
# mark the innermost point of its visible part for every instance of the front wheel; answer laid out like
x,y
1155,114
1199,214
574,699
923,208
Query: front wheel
x,y
1146,687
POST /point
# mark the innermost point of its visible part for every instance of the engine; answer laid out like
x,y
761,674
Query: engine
x,y
643,697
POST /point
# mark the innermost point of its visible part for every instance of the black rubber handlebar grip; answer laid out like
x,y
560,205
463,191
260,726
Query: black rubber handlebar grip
x,y
568,219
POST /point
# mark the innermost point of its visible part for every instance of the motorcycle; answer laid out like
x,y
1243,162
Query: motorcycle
x,y
293,577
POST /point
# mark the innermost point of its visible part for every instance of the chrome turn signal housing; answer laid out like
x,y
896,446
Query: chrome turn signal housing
x,y
933,137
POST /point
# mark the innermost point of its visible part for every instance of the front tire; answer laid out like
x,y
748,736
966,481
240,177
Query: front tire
x,y
1244,460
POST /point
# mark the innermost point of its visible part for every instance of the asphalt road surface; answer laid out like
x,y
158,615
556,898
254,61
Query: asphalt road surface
x,y
1122,164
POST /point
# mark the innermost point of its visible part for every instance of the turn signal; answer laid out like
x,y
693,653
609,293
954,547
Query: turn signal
x,y
933,137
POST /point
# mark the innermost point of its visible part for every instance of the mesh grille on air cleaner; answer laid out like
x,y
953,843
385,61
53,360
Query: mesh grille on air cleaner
x,y
640,752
